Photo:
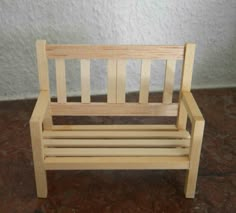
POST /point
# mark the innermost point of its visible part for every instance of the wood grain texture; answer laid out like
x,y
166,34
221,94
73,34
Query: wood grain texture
x,y
96,143
61,80
116,134
109,152
120,81
191,107
94,163
104,109
195,151
41,107
115,52
169,81
188,67
115,127
85,80
145,79
185,82
38,157
111,81
42,63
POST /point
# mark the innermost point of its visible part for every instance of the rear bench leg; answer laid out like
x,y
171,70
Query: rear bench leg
x,y
40,172
195,151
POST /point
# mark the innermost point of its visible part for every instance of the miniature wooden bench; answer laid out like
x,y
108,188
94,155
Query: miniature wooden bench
x,y
72,147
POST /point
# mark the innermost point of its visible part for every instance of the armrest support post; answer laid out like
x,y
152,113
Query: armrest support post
x,y
192,110
36,122
191,107
41,108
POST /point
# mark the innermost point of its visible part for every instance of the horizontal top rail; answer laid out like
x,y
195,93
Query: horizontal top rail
x,y
115,51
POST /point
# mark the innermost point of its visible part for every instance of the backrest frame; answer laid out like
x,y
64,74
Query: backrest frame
x,y
117,57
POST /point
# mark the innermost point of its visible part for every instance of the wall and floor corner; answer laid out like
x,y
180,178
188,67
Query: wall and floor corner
x,y
210,24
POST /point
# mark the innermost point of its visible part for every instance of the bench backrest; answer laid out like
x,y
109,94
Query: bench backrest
x,y
116,57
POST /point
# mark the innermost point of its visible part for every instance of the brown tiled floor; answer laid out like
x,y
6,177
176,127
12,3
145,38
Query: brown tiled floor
x,y
122,191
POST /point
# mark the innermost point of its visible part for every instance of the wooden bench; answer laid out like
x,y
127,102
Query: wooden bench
x,y
72,147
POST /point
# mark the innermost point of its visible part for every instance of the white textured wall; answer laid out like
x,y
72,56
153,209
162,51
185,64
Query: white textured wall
x,y
211,24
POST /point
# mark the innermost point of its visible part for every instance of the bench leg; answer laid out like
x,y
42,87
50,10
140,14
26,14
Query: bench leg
x,y
41,182
190,183
37,148
195,151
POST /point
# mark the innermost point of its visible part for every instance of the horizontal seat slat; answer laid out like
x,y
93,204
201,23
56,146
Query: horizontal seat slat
x,y
116,142
115,127
70,163
76,152
110,109
115,52
116,134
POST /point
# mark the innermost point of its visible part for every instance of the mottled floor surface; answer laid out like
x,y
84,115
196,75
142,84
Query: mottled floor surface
x,y
122,191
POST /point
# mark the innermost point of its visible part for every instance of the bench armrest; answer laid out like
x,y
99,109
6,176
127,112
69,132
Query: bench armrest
x,y
40,108
191,107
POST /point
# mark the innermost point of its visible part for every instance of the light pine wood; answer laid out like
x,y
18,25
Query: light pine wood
x,y
85,80
128,146
116,143
120,81
36,120
38,157
41,107
191,107
195,151
42,65
93,163
61,80
115,127
169,81
188,67
145,78
78,152
47,121
104,109
116,134
115,52
111,81
185,82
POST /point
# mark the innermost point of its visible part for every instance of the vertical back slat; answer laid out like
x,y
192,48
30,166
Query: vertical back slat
x,y
61,80
111,85
85,80
121,75
145,79
42,62
169,81
186,83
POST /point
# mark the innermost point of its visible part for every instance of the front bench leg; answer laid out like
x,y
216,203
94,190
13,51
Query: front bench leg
x,y
194,157
188,106
40,172
40,117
